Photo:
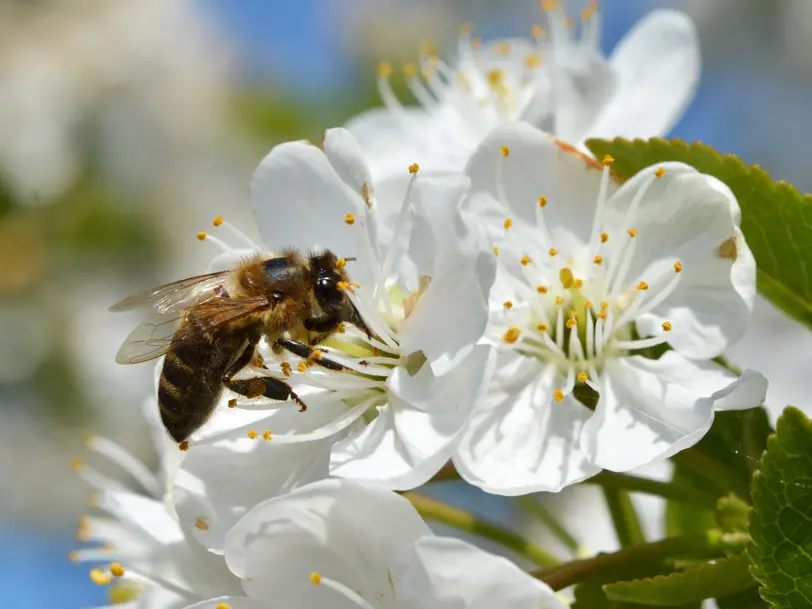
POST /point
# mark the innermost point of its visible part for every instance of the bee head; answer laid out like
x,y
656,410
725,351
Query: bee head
x,y
330,279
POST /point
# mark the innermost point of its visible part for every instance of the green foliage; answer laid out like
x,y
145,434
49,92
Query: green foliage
x,y
592,596
724,577
748,599
732,514
781,520
776,219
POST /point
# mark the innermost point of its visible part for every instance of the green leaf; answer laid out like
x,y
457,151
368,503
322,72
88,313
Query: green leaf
x,y
776,218
748,599
724,577
732,514
591,596
781,520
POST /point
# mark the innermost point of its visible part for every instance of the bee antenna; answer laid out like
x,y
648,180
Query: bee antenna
x,y
351,259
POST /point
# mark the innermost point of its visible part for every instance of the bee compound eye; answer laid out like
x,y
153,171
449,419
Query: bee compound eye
x,y
327,292
277,296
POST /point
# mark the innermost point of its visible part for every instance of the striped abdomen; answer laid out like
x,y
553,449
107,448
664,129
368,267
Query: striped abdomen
x,y
192,379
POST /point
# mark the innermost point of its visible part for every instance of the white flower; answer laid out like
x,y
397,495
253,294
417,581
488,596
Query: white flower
x,y
594,281
557,81
340,544
423,278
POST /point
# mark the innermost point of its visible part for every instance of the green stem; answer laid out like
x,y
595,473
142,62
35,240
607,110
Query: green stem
x,y
669,490
550,522
616,565
723,476
462,520
624,517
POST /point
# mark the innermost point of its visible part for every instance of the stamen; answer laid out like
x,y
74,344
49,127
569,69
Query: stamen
x,y
604,237
537,32
507,304
525,260
566,277
642,286
667,326
252,434
349,219
350,595
678,266
541,289
597,260
338,424
559,329
505,151
99,577
125,461
512,335
553,251
583,377
116,570
266,435
644,343
541,327
598,217
659,172
508,223
219,221
385,91
558,395
495,251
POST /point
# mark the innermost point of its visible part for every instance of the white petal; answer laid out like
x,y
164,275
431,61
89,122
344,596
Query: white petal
x,y
447,573
417,431
657,65
537,165
351,533
652,409
233,602
583,83
524,441
344,154
687,216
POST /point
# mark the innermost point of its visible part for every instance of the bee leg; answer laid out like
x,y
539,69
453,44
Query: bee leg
x,y
309,353
265,386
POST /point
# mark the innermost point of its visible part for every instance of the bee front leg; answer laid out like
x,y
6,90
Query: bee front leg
x,y
309,353
265,386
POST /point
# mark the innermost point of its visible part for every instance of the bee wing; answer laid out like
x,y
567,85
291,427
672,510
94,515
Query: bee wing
x,y
162,331
176,296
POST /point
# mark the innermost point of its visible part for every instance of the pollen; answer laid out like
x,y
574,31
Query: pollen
x,y
541,289
505,151
678,267
343,285
659,172
99,577
583,377
252,433
340,328
552,251
571,323
507,223
578,283
537,31
503,48
566,277
608,160
542,201
507,304
495,251
267,435
116,570
541,327
409,69
597,259
572,313
604,305
232,403
302,367
384,69
558,395
549,5
559,301
201,523
588,304
341,263
223,606
76,464
495,77
349,219
414,168
315,578
532,60
589,10
601,315
642,286
632,232
184,446
667,326
604,237
201,236
512,335
525,260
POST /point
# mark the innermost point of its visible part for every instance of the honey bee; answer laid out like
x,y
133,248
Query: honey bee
x,y
208,327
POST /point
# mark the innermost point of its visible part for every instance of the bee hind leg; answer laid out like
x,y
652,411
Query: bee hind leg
x,y
265,386
309,353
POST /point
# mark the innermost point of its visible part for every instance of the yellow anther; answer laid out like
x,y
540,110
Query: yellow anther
x,y
315,578
532,60
343,285
232,403
507,223
678,267
252,434
507,304
93,500
511,335
495,77
427,47
541,289
503,48
99,577
184,446
589,10
495,251
559,301
384,69
341,263
116,570
552,251
462,79
223,606
525,260
604,237
340,328
542,201
572,313
583,377
537,31
597,259
571,323
588,304
541,327
302,367
569,23
476,43
505,151
218,220
604,305
73,556
601,315
201,523
550,5
414,168
578,283
659,172
409,69
201,236
608,160
558,395
76,464
266,435
632,232
642,286
349,219
667,326
566,277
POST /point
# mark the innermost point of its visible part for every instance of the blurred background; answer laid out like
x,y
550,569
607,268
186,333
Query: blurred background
x,y
125,126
